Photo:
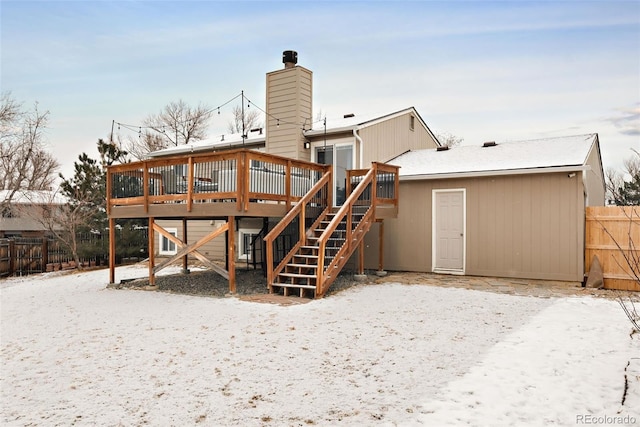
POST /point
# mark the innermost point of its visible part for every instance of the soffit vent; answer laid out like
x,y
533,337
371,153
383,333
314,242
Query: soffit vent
x,y
489,144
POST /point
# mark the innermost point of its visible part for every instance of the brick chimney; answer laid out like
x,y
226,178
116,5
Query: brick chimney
x,y
289,108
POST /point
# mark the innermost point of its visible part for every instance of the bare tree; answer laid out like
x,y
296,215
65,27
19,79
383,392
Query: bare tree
x,y
24,162
250,120
630,252
180,123
448,140
146,142
60,217
9,113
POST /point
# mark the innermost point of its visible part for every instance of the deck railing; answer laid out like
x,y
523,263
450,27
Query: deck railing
x,y
386,179
238,176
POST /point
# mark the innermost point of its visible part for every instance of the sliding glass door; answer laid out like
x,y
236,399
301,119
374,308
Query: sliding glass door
x,y
341,157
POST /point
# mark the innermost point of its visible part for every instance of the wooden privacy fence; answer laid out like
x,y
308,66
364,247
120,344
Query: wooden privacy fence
x,y
613,234
24,256
21,256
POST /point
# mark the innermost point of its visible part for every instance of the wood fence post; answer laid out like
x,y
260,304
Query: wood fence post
x,y
45,254
12,257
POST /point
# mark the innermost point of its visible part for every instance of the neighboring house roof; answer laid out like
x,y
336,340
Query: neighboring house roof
x,y
221,142
533,156
34,197
347,124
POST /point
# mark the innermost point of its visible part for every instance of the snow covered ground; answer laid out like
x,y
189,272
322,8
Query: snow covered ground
x,y
76,353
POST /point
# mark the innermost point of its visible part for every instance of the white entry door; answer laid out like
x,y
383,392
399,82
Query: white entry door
x,y
449,218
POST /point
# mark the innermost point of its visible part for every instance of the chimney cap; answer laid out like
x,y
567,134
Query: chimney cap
x,y
489,144
289,58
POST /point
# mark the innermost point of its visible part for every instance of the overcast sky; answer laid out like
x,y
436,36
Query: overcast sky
x,y
479,70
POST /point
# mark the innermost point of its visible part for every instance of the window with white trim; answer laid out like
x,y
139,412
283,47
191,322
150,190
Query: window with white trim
x,y
167,247
245,238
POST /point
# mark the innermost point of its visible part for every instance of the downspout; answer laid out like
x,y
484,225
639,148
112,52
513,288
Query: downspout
x,y
355,134
584,188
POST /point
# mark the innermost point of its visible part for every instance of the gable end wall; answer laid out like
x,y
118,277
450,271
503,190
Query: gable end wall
x,y
390,138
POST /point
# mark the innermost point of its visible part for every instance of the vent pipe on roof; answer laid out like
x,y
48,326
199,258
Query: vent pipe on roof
x,y
348,116
489,144
442,148
289,58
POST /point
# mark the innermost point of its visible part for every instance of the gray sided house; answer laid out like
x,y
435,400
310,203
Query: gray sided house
x,y
26,213
514,209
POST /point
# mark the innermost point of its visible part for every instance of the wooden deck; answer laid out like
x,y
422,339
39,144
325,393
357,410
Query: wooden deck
x,y
245,183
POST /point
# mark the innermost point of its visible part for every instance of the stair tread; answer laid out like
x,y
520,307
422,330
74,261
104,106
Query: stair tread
x,y
298,275
291,285
306,256
330,238
302,265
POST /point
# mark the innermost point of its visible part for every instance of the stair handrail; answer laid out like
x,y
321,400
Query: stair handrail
x,y
296,211
345,210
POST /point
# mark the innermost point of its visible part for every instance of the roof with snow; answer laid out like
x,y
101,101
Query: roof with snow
x,y
221,142
350,122
33,197
502,158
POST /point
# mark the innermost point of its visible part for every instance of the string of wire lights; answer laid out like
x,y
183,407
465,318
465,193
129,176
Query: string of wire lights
x,y
249,103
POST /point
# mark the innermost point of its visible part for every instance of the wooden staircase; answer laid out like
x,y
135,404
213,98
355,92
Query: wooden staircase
x,y
301,273
333,235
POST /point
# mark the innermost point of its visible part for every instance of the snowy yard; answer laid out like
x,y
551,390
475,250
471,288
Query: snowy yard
x,y
76,353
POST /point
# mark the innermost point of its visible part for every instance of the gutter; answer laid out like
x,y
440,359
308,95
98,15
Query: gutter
x,y
219,146
584,189
565,169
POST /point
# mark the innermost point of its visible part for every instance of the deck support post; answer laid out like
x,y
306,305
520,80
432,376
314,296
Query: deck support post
x,y
152,251
112,250
231,253
185,259
361,257
381,271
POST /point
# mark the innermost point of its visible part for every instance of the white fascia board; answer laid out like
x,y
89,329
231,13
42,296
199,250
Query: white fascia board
x,y
362,125
563,169
321,132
